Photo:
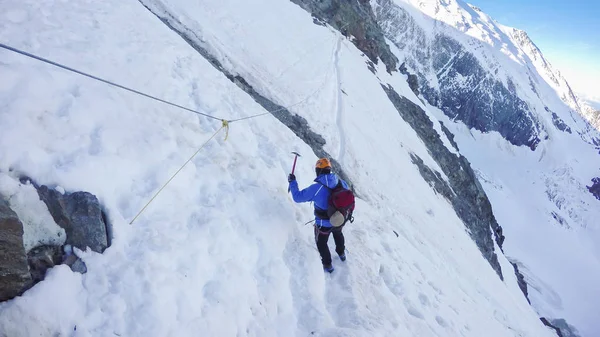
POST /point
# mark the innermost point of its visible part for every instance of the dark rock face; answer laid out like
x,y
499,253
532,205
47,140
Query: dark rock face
x,y
560,220
595,188
548,324
472,95
521,281
71,260
465,90
562,328
449,135
80,215
499,237
559,123
432,177
565,328
464,191
296,123
354,19
14,272
42,258
413,80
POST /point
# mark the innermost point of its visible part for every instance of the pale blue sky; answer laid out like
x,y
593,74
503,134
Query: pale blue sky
x,y
567,32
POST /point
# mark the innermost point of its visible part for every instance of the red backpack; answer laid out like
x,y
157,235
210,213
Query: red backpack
x,y
340,205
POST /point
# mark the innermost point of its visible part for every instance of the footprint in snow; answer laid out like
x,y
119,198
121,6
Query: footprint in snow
x,y
394,286
211,292
413,310
386,247
435,288
424,300
441,321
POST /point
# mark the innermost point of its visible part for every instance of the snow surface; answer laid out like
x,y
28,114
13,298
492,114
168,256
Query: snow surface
x,y
222,250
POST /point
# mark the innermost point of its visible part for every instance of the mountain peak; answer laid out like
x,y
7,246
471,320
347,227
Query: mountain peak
x,y
475,8
524,40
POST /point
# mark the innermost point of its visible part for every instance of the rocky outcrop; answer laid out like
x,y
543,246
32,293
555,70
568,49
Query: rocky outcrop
x,y
80,215
499,237
357,20
469,93
548,324
296,123
433,178
559,123
463,190
42,258
412,79
14,272
560,220
595,188
561,327
449,135
565,328
521,281
594,118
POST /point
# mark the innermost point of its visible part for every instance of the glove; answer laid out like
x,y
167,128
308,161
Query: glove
x,y
291,178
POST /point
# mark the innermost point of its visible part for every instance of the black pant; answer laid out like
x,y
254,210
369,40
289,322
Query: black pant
x,y
321,237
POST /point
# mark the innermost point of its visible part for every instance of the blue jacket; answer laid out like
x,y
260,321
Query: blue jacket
x,y
317,193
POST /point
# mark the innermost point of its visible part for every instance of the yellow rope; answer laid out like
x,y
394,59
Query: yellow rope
x,y
225,126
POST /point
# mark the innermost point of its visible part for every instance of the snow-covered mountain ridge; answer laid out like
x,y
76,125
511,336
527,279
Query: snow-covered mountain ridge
x,y
490,76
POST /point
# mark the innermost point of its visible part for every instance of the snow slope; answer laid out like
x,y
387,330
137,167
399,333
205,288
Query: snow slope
x,y
222,251
540,200
539,197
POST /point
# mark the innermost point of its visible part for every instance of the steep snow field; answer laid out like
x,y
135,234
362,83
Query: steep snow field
x,y
222,251
548,216
539,198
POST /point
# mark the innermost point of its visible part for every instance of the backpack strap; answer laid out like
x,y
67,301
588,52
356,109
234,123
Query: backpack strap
x,y
322,213
339,184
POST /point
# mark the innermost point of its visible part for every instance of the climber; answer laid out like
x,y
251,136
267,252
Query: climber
x,y
319,193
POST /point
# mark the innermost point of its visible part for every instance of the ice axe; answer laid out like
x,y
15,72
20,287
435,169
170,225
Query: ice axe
x,y
296,155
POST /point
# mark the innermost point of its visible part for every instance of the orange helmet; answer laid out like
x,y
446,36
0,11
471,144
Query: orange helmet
x,y
323,163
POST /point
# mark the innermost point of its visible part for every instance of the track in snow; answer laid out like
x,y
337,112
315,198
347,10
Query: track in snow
x,y
338,104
